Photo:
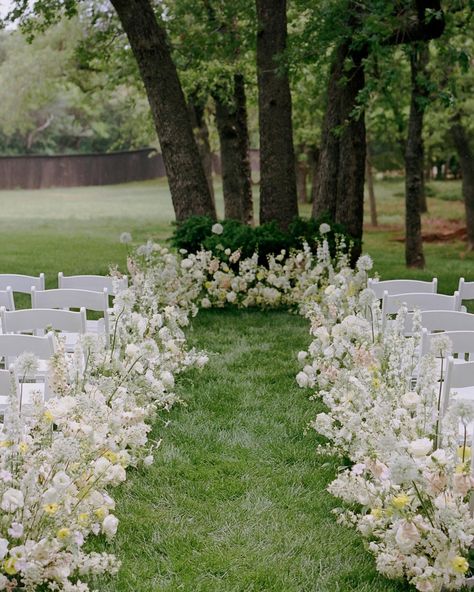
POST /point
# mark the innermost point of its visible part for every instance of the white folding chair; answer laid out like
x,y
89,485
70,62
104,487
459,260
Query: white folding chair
x,y
67,298
6,298
466,289
21,283
96,283
459,378
12,346
462,344
38,321
393,287
417,301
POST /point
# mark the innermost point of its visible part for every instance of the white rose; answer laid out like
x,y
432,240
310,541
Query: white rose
x,y
424,586
231,297
410,400
187,263
12,500
302,379
420,447
217,228
407,536
109,526
302,355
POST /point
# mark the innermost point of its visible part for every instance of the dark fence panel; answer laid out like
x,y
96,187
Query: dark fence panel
x,y
77,170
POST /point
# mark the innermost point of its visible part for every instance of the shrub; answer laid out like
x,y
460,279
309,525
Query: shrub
x,y
196,233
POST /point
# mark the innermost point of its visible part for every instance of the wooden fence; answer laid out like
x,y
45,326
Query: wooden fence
x,y
79,170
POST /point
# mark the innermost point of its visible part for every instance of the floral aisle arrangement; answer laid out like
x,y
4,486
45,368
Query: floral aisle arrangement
x,y
204,280
59,458
407,488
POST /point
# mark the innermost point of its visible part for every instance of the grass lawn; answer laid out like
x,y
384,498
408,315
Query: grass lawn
x,y
236,499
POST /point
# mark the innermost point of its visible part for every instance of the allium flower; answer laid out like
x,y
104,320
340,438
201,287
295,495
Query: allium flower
x,y
217,228
125,238
462,410
364,263
26,364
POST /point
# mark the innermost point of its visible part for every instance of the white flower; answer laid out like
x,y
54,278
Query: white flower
x,y
148,460
410,400
302,379
206,303
26,364
407,536
3,548
302,355
187,263
364,263
109,526
125,238
12,500
420,447
217,228
16,530
324,228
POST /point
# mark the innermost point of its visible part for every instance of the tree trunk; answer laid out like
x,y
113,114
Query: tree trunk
x,y
370,188
302,172
231,120
466,161
414,256
314,167
278,199
339,189
148,40
201,134
423,201
246,196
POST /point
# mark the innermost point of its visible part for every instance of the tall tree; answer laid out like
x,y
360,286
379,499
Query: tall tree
x,y
197,113
463,144
278,199
414,159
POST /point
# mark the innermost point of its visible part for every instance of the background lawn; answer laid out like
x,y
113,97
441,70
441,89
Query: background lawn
x,y
236,499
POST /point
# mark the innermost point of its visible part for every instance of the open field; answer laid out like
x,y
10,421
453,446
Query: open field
x,y
236,499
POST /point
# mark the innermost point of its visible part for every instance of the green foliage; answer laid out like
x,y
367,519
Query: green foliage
x,y
196,233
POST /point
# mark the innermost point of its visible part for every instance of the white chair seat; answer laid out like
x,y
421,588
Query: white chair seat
x,y
465,393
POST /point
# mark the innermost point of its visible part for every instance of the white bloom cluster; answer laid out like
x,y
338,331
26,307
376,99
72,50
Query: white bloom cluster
x,y
59,460
412,494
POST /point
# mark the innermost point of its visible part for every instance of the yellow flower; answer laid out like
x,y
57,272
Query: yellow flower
x,y
9,566
23,447
5,443
400,501
111,456
260,275
100,513
375,382
464,451
208,285
462,468
83,518
351,290
51,508
459,565
48,415
376,513
63,533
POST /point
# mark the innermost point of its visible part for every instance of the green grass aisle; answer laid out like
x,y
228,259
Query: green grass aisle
x,y
236,500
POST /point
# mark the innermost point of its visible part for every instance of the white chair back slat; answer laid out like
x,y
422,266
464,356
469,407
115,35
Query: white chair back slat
x,y
391,304
21,283
6,299
70,298
393,287
43,319
462,343
447,320
11,346
96,283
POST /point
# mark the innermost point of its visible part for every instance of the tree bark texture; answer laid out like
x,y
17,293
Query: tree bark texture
x,y
466,161
302,173
231,120
314,166
339,189
201,135
148,40
278,198
414,256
